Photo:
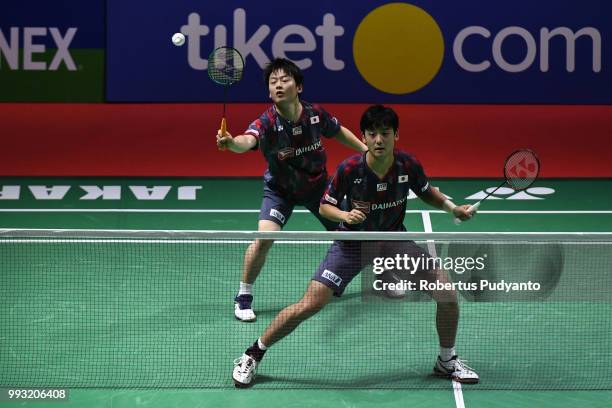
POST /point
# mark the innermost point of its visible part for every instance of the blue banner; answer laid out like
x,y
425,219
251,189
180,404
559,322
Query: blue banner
x,y
52,51
48,23
474,51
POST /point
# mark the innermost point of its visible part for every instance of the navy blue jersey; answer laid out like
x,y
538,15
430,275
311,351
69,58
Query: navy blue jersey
x,y
294,152
383,201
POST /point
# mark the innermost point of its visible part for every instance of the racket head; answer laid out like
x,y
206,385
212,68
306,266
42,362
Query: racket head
x,y
225,66
521,169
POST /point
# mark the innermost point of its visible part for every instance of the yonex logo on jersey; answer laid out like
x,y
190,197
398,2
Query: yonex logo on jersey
x,y
363,206
332,277
286,153
402,179
278,215
314,120
331,199
279,128
296,131
381,187
357,181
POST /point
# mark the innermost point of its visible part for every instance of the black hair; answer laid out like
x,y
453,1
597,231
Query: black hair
x,y
378,116
285,65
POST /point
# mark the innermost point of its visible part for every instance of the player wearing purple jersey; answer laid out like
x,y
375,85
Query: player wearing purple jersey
x,y
289,135
376,186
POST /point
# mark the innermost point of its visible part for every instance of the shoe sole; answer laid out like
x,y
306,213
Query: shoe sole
x,y
393,296
442,374
465,380
384,294
238,384
244,320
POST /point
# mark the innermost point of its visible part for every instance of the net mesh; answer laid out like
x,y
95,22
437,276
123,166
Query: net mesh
x,y
521,169
225,66
156,311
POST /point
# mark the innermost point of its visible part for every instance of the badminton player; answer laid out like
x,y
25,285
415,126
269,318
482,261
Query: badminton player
x,y
376,185
289,135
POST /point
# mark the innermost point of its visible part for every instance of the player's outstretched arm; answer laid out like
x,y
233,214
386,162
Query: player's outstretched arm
x,y
348,138
435,198
237,144
335,214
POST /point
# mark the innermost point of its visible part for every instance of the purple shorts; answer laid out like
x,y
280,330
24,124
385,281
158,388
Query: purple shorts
x,y
346,259
278,208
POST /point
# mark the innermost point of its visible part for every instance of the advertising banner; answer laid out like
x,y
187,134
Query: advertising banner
x,y
473,51
52,51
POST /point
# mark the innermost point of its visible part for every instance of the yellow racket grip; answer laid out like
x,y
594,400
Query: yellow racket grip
x,y
223,127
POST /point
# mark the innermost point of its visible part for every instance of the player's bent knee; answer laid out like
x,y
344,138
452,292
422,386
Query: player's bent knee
x,y
316,297
310,306
263,244
444,293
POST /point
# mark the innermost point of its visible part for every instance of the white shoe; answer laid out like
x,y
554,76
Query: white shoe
x,y
390,277
456,370
242,308
244,371
395,293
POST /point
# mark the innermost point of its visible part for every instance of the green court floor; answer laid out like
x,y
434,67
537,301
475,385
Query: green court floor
x,y
218,204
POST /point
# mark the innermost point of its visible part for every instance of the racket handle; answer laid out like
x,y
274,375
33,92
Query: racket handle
x,y
223,127
472,209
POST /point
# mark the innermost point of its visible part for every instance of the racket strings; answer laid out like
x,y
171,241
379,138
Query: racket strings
x,y
225,66
521,169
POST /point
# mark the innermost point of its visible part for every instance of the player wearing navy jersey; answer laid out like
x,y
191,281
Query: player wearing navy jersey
x,y
289,135
381,197
376,186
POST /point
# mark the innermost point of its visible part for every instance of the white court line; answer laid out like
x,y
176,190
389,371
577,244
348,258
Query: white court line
x,y
248,211
458,395
431,247
149,241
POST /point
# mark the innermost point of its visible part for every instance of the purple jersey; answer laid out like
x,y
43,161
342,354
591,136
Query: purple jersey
x,y
382,201
294,152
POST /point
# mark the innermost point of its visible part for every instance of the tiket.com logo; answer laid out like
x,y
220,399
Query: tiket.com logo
x,y
412,39
399,48
404,34
252,46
